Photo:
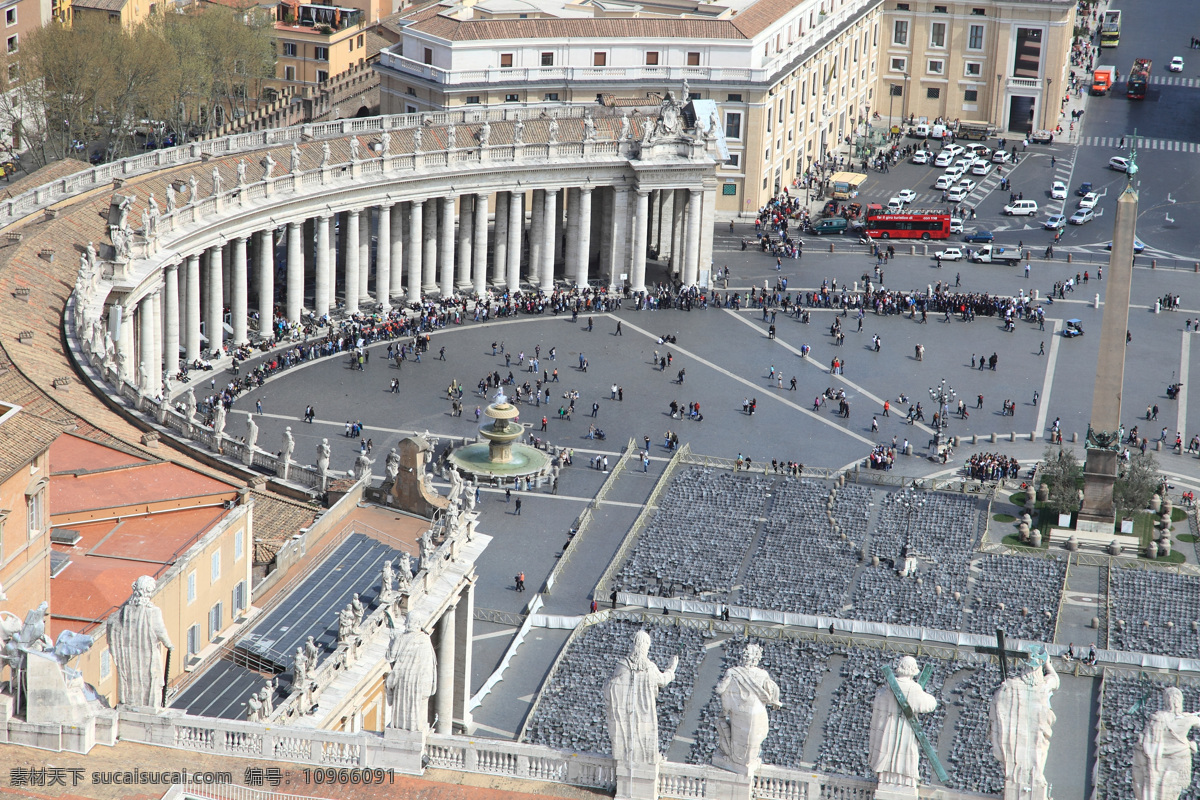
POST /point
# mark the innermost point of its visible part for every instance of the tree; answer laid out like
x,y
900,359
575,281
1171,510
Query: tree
x,y
1060,472
1135,485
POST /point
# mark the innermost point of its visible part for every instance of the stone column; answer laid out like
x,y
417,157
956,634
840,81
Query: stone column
x,y
171,334
652,212
533,272
584,234
215,325
383,258
466,218
549,229
571,245
310,250
619,235
708,221
560,201
637,251
604,234
398,250
125,344
465,632
295,271
500,241
351,234
156,343
192,312
430,239
666,223
338,260
445,660
416,225
364,256
678,208
321,293
446,248
516,227
238,292
691,248
480,251
145,318
266,283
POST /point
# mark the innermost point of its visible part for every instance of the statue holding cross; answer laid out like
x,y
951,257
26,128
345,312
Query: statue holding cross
x,y
1021,723
897,738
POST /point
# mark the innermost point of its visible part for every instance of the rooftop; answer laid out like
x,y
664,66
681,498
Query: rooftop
x,y
23,437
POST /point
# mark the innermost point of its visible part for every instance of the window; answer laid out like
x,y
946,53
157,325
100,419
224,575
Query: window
x,y
10,16
551,96
193,640
936,67
239,597
322,75
792,102
547,59
410,109
975,37
214,566
12,43
937,34
289,73
940,10
973,69
214,621
693,59
971,96
105,664
979,12
902,6
734,160
733,125
239,544
289,49
512,98
896,90
321,53
729,188
410,91
506,60
472,100
14,72
769,112
899,64
933,93
652,58
35,505
428,56
191,589
600,59
900,32
734,98
360,39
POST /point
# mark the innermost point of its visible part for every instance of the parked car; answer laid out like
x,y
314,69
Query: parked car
x,y
1055,221
1074,327
951,254
956,225
906,196
943,159
981,167
1084,188
954,149
1001,157
958,192
1089,200
1138,245
1042,137
1082,216
1119,163
979,237
1021,208
922,157
1058,191
979,150
1176,64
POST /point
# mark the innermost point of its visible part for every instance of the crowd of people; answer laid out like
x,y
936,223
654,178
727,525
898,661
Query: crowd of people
x,y
991,467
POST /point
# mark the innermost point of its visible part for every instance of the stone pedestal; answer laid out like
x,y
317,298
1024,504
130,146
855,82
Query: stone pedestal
x,y
893,792
410,491
722,785
405,751
637,781
1098,513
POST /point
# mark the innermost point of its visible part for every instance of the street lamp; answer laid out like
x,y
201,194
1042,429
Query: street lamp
x,y
942,396
904,99
911,504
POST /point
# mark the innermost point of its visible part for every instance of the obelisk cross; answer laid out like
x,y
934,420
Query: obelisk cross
x,y
1002,653
915,723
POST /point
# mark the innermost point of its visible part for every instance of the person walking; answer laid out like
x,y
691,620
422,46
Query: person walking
x,y
517,507
1042,349
595,409
619,328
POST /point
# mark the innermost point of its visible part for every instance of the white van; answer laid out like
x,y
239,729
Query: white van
x,y
895,205
938,132
1021,208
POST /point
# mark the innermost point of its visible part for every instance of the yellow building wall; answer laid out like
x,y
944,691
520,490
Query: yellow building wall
x,y
24,561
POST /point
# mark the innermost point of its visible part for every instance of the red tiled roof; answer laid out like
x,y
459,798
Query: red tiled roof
x,y
75,454
580,28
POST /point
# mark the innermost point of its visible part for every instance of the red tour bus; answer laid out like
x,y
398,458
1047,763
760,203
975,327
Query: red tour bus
x,y
924,225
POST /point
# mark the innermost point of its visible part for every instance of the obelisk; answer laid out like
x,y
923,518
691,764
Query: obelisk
x,y
1103,442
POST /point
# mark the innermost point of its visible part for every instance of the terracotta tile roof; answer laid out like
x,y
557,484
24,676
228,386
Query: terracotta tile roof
x,y
23,437
134,486
77,454
375,43
577,28
101,5
46,174
759,16
276,520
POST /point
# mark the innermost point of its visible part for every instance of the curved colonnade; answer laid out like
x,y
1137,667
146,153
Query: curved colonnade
x,y
283,223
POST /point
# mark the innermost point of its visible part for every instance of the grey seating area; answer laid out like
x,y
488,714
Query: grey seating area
x,y
1128,704
1017,593
970,762
697,539
880,595
798,540
1153,611
798,668
570,714
845,745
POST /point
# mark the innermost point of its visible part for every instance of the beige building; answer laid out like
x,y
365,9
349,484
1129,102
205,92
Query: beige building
x,y
976,60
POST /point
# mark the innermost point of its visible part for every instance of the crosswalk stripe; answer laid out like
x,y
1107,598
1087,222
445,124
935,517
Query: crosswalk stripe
x,y
1173,145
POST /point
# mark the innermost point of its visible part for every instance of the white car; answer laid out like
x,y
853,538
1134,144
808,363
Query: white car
x,y
956,225
1055,222
1089,200
1176,64
951,254
906,196
943,159
956,171
954,149
1023,208
965,163
1119,163
921,157
981,168
945,181
1081,216
979,150
967,184
957,193
1058,191
1001,157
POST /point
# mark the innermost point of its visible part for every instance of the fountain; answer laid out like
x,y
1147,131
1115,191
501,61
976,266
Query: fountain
x,y
500,458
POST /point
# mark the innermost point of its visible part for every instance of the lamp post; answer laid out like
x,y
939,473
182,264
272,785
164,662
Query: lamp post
x,y
1046,105
904,99
942,396
999,94
912,504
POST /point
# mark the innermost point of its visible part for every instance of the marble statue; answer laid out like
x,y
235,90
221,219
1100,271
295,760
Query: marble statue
x,y
895,753
27,649
451,137
268,165
354,148
553,129
289,446
241,172
1162,760
189,403
589,128
120,243
427,479
311,652
362,466
417,140
485,133
251,432
404,573
155,211
326,154
323,459
219,421
387,582
456,487
147,231
625,129
1021,723
630,698
216,181
427,548
193,188
295,165
412,679
144,378
254,709
267,697
385,143
134,636
518,131
170,198
746,692
392,465
357,609
345,624
300,667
